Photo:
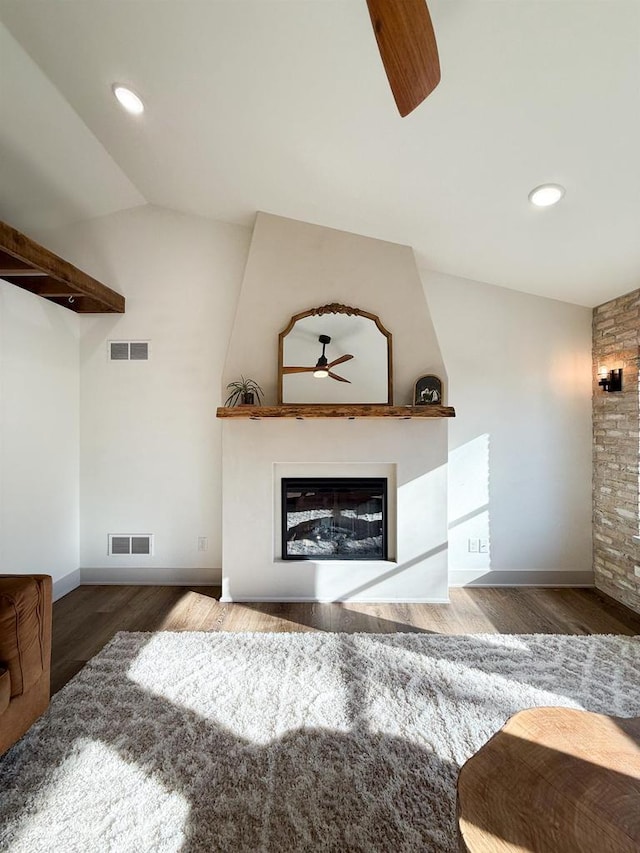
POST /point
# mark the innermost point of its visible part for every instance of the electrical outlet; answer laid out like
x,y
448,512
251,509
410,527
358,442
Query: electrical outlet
x,y
483,546
474,545
203,543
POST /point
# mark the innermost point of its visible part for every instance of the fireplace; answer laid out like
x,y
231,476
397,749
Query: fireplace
x,y
334,518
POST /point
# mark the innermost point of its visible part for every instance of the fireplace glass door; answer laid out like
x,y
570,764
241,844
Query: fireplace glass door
x,y
334,518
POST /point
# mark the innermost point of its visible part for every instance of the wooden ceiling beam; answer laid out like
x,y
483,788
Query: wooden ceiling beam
x,y
42,285
6,272
23,260
80,304
12,266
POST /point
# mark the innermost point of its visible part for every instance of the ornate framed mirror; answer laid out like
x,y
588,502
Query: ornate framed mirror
x,y
335,354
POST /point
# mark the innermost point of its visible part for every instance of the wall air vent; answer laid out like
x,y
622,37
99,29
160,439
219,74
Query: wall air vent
x,y
128,350
127,543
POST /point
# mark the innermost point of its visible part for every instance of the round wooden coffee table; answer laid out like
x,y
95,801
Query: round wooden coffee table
x,y
553,780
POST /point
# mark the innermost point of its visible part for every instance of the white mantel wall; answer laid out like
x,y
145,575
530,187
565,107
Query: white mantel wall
x,y
293,266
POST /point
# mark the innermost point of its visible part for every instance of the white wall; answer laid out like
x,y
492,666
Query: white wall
x,y
39,438
520,447
293,266
519,377
150,441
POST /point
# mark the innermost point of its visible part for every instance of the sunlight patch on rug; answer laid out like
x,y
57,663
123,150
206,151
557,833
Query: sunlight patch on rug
x,y
237,686
95,800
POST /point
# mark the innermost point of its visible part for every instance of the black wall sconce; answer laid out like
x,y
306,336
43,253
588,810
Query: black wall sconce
x,y
610,380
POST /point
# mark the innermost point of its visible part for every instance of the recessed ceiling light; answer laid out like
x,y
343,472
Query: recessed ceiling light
x,y
128,99
546,194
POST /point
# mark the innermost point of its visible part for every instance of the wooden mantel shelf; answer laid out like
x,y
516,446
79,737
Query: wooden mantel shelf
x,y
328,411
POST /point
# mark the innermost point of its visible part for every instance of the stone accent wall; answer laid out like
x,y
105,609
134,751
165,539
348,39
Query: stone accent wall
x,y
616,451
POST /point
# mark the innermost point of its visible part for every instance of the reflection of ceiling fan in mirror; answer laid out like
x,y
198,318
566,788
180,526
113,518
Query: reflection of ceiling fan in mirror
x,y
408,49
322,368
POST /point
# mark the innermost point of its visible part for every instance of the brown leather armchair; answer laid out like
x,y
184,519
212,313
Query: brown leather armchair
x,y
25,653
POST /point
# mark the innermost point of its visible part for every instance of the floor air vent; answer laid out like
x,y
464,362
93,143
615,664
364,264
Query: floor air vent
x,y
130,544
128,350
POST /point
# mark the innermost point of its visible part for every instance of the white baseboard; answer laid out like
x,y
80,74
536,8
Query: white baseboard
x,y
66,584
470,577
283,599
213,577
152,577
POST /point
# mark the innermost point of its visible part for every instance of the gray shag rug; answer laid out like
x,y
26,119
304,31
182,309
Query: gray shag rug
x,y
285,742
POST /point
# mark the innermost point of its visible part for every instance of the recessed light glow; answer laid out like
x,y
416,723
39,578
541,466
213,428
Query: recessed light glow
x,y
128,99
546,195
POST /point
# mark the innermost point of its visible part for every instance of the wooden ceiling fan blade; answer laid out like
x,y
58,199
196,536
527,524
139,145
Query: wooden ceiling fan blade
x,y
339,360
408,49
297,369
339,378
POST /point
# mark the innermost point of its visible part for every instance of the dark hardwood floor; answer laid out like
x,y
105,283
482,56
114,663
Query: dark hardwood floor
x,y
87,618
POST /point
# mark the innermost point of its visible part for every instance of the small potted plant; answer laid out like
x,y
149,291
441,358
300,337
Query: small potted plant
x,y
244,393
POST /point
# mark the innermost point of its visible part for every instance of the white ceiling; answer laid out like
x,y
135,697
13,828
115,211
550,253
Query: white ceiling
x,y
283,106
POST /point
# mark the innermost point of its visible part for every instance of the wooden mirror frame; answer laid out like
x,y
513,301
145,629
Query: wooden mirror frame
x,y
335,308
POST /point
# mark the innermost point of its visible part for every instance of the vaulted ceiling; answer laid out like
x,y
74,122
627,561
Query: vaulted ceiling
x,y
283,106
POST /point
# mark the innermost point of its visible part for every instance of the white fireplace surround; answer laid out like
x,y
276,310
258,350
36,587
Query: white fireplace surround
x,y
257,454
